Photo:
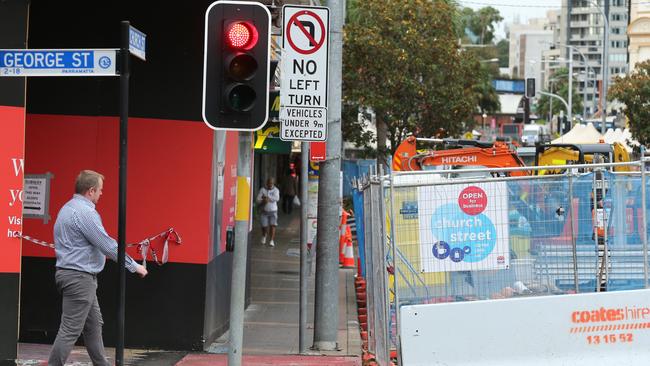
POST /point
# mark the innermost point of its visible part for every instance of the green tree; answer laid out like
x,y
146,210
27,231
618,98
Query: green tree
x,y
401,59
503,52
480,23
633,90
486,96
560,86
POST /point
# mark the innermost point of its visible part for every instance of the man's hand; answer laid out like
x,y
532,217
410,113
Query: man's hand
x,y
140,270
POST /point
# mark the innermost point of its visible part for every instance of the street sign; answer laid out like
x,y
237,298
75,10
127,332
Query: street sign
x,y
303,85
58,62
137,43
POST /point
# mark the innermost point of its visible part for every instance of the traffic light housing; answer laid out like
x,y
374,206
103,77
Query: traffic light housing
x,y
236,65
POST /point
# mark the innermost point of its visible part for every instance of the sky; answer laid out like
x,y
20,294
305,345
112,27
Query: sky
x,y
510,8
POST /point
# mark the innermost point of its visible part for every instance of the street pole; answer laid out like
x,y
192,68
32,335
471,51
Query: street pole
x,y
304,200
329,204
603,128
555,96
584,95
121,217
240,252
604,64
550,106
483,129
570,109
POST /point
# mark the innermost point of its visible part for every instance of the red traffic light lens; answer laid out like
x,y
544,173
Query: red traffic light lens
x,y
241,35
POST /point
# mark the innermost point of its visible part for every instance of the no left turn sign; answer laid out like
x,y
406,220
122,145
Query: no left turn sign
x,y
307,25
303,84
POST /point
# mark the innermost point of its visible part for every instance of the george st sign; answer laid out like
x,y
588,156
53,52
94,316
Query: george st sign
x,y
303,84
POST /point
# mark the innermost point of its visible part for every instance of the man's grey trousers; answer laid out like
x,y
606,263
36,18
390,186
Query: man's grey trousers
x,y
81,313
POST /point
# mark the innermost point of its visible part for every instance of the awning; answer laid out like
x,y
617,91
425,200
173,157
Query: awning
x,y
509,103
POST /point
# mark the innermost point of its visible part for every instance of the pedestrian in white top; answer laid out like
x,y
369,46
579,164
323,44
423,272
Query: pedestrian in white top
x,y
268,198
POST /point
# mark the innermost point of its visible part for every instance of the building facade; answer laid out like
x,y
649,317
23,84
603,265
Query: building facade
x,y
639,33
583,27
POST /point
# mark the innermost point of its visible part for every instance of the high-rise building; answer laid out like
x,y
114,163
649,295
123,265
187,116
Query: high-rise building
x,y
527,42
583,27
638,30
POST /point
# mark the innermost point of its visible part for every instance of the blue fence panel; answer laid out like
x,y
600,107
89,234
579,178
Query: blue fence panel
x,y
354,169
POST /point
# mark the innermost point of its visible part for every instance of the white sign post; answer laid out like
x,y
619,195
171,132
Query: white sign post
x,y
303,86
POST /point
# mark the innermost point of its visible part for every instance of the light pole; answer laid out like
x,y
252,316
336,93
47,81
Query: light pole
x,y
605,66
584,59
570,96
484,117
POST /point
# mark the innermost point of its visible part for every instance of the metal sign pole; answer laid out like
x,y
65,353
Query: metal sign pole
x,y
304,209
238,281
121,226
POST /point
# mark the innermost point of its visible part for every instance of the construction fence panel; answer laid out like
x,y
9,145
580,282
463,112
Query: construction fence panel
x,y
369,210
468,239
376,275
526,237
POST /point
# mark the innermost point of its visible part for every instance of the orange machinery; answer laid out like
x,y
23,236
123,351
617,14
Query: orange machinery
x,y
456,153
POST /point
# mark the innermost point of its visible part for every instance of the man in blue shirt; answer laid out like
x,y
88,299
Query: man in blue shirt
x,y
81,246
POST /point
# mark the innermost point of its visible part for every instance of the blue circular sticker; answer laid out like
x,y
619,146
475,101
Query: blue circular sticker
x,y
104,62
461,237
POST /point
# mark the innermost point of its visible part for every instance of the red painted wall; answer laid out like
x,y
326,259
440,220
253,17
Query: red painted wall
x,y
169,177
11,184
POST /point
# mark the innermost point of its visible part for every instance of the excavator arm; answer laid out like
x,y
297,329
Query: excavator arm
x,y
457,153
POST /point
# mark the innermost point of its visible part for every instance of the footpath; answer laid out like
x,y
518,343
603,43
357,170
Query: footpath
x,y
271,319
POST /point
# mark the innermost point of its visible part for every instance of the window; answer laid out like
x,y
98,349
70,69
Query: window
x,y
618,57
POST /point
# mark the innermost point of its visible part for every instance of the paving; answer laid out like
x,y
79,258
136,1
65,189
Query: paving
x,y
270,321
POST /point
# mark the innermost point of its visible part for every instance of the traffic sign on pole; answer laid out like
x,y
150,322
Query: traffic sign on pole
x,y
303,86
25,62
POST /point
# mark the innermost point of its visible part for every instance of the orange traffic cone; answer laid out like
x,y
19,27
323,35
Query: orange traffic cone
x,y
343,227
341,246
348,259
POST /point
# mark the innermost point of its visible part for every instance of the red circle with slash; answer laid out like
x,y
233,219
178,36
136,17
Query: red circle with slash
x,y
294,21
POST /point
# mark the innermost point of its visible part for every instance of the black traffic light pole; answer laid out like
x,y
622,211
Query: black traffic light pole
x,y
235,97
121,226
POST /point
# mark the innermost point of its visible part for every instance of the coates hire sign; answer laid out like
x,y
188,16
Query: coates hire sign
x,y
58,62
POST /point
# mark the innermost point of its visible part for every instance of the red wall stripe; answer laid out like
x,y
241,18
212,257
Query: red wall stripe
x,y
169,177
12,148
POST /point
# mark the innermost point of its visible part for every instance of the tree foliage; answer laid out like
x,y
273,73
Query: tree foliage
x,y
560,86
503,52
633,90
401,58
480,23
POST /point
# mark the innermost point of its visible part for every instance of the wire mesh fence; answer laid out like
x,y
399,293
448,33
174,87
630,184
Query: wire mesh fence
x,y
435,238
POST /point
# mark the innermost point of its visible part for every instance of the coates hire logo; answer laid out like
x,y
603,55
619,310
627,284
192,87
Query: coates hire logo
x,y
610,315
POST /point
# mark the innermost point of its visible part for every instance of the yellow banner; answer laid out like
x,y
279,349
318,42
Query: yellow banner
x,y
242,212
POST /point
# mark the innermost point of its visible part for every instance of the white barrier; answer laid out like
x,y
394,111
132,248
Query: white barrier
x,y
593,329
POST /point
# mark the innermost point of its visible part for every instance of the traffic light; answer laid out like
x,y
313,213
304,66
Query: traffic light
x,y
530,87
236,65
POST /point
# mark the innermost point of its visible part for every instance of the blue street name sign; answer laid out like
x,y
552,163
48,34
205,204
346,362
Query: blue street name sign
x,y
137,43
58,62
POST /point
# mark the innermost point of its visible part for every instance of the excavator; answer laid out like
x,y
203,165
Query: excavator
x,y
562,154
456,153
